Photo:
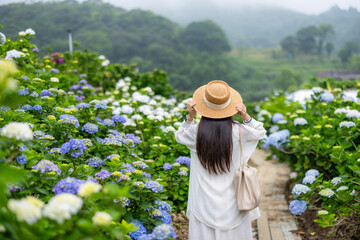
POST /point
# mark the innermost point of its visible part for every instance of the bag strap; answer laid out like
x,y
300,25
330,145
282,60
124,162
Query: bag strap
x,y
241,152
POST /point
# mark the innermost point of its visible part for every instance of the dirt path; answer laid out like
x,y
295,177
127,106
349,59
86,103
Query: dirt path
x,y
276,222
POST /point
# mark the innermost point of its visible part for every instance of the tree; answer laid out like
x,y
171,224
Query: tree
x,y
355,62
348,50
205,36
329,48
306,38
324,31
289,45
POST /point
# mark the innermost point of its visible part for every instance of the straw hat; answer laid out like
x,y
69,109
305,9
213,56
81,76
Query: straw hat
x,y
216,100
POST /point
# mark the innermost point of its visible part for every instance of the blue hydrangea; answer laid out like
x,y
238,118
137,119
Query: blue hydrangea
x,y
108,122
167,166
147,175
165,217
119,119
99,120
140,164
47,166
76,147
101,104
127,168
183,171
277,117
21,159
163,232
300,188
327,97
95,162
90,128
37,108
103,174
27,107
4,108
142,230
183,160
132,137
66,118
45,93
23,91
91,179
161,205
67,185
297,207
155,186
146,237
274,128
34,94
309,179
83,105
83,81
312,172
279,139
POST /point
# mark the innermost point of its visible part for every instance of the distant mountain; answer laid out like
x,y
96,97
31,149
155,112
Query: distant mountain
x,y
266,26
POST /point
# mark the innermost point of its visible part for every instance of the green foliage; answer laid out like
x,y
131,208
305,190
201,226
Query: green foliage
x,y
355,62
348,51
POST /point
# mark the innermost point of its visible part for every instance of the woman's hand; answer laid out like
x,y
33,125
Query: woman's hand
x,y
241,108
190,108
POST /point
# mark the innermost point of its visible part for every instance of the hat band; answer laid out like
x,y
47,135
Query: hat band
x,y
217,106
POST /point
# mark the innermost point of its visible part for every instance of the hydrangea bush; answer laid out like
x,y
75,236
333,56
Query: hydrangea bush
x,y
319,136
83,150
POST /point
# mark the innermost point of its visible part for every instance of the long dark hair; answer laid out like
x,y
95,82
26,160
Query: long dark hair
x,y
214,144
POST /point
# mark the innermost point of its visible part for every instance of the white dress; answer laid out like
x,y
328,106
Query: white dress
x,y
212,208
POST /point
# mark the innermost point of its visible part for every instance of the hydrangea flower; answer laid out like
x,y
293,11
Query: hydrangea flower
x,y
83,105
34,94
155,186
95,162
47,166
101,104
300,188
163,216
23,91
183,160
142,230
167,166
26,209
90,128
128,168
147,175
21,159
161,205
327,97
309,179
140,164
76,146
124,201
119,119
139,184
66,118
2,38
277,117
67,185
326,192
278,139
322,212
132,137
27,107
45,93
88,188
101,219
274,128
300,121
14,54
103,174
183,171
108,122
297,207
37,108
353,114
342,188
336,180
347,124
163,232
312,172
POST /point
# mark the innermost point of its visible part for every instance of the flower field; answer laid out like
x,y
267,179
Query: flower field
x,y
319,136
87,148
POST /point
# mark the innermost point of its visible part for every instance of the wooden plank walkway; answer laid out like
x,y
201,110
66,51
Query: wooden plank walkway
x,y
276,222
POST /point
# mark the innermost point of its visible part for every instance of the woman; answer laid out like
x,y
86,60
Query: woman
x,y
215,150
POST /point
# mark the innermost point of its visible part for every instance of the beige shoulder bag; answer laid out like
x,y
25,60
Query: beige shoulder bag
x,y
246,183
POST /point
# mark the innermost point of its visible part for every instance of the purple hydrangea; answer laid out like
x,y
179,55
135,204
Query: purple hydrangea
x,y
119,119
25,78
67,185
66,118
128,168
155,186
142,230
37,108
147,175
103,174
92,179
83,81
108,122
134,138
297,207
167,166
99,120
90,128
47,166
75,146
34,94
83,105
277,117
21,159
183,160
45,93
23,91
75,87
95,162
54,70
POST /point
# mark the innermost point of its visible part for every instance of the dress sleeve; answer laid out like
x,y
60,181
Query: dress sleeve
x,y
186,135
251,133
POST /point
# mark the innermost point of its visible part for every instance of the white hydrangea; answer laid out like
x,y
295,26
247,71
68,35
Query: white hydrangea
x,y
353,114
169,102
30,32
62,206
263,113
105,63
300,121
26,209
336,180
102,57
153,102
322,212
170,129
342,188
317,89
148,89
127,109
347,124
2,39
13,54
18,131
340,111
136,117
101,219
120,84
54,79
88,188
127,79
138,97
353,192
22,33
327,192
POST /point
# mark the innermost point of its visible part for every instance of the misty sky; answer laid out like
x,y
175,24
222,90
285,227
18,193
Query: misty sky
x,y
306,6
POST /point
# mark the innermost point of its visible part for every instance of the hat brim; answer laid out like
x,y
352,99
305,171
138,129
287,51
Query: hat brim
x,y
206,111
